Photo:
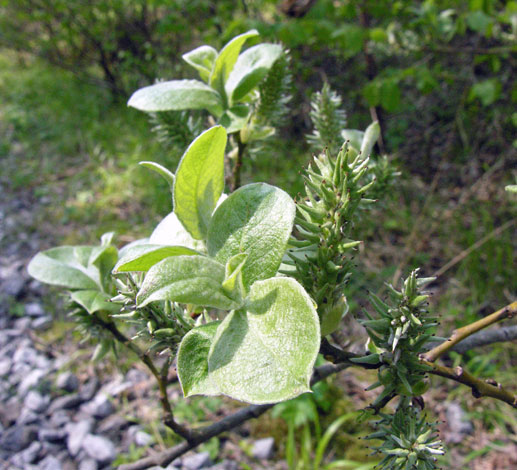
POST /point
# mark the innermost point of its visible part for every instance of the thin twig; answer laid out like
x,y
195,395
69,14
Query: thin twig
x,y
236,172
168,416
480,388
225,424
465,331
461,256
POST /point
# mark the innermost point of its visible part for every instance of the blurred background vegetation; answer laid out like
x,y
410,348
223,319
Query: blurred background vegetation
x,y
440,76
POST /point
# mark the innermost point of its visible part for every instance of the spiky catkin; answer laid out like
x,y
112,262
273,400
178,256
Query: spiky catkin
x,y
176,128
397,338
324,247
327,118
275,93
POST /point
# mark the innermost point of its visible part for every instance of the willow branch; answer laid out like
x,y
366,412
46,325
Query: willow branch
x,y
226,424
461,333
480,388
168,416
236,172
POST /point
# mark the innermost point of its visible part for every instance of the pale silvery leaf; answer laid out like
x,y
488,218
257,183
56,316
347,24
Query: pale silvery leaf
x,y
187,279
371,134
202,59
251,67
94,301
193,361
265,352
354,137
65,266
199,181
257,219
142,257
177,95
170,231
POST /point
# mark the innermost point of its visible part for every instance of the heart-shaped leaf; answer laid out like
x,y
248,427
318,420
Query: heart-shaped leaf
x,y
187,279
200,181
227,58
65,266
202,59
251,67
93,301
257,219
177,95
193,361
143,257
265,353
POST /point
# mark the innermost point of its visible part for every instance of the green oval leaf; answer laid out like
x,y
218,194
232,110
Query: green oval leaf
x,y
200,181
250,68
193,361
202,59
257,219
265,353
65,266
227,58
187,279
176,95
143,257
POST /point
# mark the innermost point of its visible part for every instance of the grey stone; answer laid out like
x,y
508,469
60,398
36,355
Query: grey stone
x,y
113,423
100,407
99,448
27,416
225,465
458,424
13,286
42,323
52,435
176,463
88,390
76,434
67,381
5,366
196,461
263,448
22,324
31,453
136,376
88,464
65,402
36,402
25,354
10,410
17,438
143,439
32,380
34,309
50,463
59,418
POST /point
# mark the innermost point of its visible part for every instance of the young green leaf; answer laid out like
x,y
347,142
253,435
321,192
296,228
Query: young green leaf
x,y
161,170
250,68
62,266
265,352
233,284
143,257
202,59
170,231
200,181
193,361
257,219
94,301
235,118
187,279
227,58
177,95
